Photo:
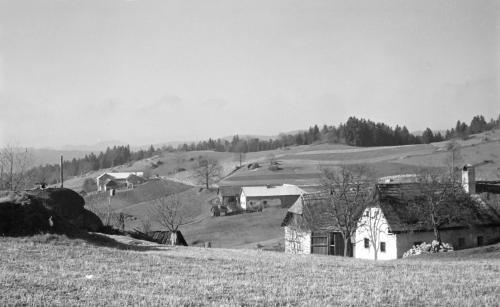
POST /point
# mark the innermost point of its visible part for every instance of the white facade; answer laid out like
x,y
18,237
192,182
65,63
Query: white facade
x,y
373,227
269,195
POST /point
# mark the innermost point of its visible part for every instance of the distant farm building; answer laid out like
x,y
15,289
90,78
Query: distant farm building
x,y
229,196
309,227
258,197
106,181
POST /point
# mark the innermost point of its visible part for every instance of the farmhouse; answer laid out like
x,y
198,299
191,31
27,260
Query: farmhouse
x,y
388,228
258,197
120,179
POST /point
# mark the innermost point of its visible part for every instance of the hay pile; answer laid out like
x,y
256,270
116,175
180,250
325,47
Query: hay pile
x,y
54,210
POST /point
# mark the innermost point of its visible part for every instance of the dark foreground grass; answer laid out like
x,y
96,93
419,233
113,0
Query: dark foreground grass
x,y
61,271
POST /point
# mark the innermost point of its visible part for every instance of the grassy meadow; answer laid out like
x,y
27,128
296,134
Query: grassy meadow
x,y
55,270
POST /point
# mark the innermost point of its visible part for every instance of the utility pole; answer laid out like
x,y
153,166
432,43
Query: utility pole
x,y
62,178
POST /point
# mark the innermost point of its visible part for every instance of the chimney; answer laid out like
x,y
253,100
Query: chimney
x,y
469,179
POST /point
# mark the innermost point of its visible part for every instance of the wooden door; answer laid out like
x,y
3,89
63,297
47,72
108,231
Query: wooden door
x,y
319,243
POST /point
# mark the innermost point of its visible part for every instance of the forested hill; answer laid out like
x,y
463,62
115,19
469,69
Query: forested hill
x,y
355,132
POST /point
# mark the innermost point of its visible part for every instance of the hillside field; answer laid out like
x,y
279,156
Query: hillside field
x,y
57,271
299,165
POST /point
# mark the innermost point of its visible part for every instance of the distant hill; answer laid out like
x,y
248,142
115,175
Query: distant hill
x,y
42,156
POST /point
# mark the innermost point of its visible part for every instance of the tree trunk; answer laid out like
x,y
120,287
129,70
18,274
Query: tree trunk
x,y
346,246
437,234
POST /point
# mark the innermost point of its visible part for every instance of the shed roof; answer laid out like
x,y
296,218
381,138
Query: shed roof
x,y
280,190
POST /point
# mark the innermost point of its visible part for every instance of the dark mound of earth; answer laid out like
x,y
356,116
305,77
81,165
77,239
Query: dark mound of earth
x,y
54,210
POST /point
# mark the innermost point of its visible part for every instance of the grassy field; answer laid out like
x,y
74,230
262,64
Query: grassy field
x,y
54,270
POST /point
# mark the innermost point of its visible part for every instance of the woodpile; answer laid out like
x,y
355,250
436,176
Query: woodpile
x,y
428,248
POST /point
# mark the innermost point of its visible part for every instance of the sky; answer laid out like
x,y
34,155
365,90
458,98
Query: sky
x,y
82,72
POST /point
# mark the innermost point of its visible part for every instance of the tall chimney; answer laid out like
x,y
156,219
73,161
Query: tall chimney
x,y
469,179
62,178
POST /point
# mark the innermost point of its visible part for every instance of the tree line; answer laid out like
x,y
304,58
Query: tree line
x,y
111,157
355,132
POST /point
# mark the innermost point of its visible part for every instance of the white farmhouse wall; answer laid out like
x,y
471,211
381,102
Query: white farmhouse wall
x,y
296,241
380,231
243,201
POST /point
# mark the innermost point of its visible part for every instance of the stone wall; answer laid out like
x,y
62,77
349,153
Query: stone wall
x,y
297,241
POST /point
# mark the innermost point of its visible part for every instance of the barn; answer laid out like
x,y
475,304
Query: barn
x,y
259,197
309,230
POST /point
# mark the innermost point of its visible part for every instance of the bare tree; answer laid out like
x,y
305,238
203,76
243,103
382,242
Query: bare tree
x,y
207,171
373,224
439,201
349,193
14,164
168,211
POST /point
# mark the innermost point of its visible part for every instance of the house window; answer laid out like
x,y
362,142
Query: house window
x,y
461,242
367,243
382,247
480,241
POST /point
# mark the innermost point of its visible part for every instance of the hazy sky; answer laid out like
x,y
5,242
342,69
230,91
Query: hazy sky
x,y
80,72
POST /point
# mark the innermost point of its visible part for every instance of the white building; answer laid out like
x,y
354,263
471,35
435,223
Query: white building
x,y
258,197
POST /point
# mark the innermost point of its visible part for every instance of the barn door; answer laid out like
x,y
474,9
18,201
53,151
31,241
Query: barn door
x,y
319,243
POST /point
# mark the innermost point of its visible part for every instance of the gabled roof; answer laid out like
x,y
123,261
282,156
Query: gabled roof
x,y
229,190
393,200
312,212
110,182
265,191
